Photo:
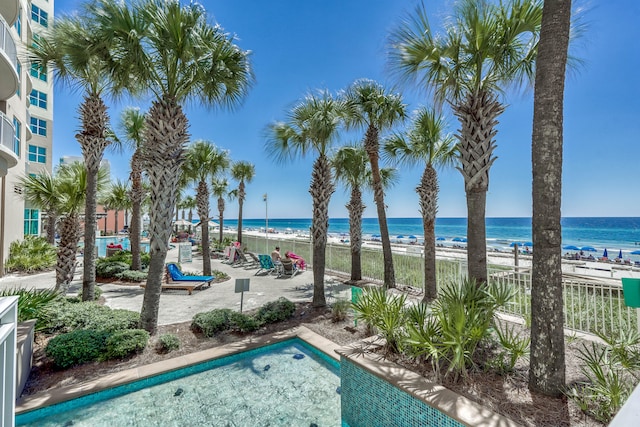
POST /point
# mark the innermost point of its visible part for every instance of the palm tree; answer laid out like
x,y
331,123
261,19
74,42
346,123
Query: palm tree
x,y
68,49
189,202
351,166
204,160
132,127
547,366
71,188
312,126
219,188
117,198
486,48
373,108
171,51
426,141
40,191
243,172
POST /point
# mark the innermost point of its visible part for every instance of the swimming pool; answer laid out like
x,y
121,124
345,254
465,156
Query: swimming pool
x,y
102,242
285,384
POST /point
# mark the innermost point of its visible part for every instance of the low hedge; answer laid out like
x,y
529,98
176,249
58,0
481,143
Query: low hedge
x,y
77,347
121,344
63,316
167,343
211,322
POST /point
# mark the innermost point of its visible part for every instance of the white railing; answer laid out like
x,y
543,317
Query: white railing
x,y
8,340
7,132
591,304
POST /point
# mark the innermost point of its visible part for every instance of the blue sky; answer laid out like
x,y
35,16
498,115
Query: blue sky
x,y
327,44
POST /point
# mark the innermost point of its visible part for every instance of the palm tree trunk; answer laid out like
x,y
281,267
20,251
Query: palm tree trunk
x,y
95,121
428,194
478,119
241,196
135,228
52,218
221,216
371,145
203,212
66,262
116,223
321,189
355,208
547,366
163,153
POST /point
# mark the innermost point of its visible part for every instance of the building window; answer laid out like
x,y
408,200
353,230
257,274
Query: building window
x,y
37,154
39,72
38,126
40,16
16,136
18,24
31,222
38,99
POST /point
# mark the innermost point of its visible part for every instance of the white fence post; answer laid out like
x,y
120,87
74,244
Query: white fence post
x,y
8,340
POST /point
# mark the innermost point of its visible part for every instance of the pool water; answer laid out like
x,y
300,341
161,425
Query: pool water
x,y
285,384
102,242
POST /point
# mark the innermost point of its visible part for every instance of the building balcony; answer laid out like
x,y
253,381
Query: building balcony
x,y
9,10
8,157
9,78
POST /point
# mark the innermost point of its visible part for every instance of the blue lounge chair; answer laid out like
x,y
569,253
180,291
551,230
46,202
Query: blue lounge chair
x,y
178,276
266,264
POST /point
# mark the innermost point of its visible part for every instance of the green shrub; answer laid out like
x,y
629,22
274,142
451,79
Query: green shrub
x,y
339,310
211,322
219,274
243,322
109,268
132,276
32,303
276,311
125,343
384,313
77,347
612,371
167,343
513,347
64,316
145,259
31,254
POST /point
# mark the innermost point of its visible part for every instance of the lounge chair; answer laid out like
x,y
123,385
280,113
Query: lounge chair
x,y
176,279
241,259
266,264
287,268
254,258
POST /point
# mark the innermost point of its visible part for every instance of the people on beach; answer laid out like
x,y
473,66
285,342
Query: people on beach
x,y
298,261
275,255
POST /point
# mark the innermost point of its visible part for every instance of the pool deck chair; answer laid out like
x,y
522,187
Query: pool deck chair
x,y
287,268
266,264
175,279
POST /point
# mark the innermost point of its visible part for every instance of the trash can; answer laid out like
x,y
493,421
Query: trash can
x,y
631,291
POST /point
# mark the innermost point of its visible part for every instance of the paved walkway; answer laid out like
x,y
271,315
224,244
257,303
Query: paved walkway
x,y
177,306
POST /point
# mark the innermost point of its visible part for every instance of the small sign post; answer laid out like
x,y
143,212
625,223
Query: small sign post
x,y
242,285
184,252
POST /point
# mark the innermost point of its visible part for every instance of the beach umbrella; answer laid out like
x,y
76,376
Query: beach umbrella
x,y
574,248
605,254
400,236
635,253
516,243
459,239
412,237
528,243
620,254
588,249
442,238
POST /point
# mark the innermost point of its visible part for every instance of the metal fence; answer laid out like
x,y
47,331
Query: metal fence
x,y
590,304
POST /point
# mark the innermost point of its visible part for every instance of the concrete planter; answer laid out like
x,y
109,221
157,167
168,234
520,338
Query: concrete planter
x,y
24,353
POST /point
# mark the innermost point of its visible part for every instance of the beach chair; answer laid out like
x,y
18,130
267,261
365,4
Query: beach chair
x,y
176,279
266,264
254,260
287,268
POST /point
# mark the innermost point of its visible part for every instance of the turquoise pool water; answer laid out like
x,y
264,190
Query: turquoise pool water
x,y
285,384
102,242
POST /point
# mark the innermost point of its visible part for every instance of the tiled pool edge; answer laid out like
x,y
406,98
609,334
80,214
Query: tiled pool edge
x,y
453,405
62,394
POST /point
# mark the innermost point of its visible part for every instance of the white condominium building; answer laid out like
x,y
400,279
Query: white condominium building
x,y
26,117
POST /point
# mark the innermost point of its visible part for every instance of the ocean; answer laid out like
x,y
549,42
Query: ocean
x,y
613,234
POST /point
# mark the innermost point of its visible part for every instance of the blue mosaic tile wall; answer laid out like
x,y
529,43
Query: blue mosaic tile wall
x,y
368,401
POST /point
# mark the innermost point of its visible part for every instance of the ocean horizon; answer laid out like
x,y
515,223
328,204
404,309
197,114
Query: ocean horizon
x,y
612,233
